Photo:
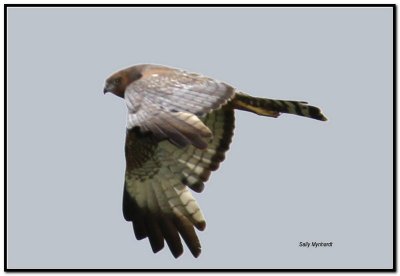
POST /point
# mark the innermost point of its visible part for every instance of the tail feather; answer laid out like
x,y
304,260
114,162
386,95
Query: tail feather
x,y
273,108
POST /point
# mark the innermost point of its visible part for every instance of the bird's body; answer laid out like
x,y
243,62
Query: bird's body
x,y
179,127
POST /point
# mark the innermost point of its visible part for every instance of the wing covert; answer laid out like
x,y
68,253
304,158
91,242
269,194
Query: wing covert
x,y
168,102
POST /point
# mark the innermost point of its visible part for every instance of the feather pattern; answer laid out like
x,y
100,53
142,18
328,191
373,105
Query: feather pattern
x,y
158,174
169,103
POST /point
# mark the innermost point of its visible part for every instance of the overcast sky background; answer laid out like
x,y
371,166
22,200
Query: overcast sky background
x,y
285,180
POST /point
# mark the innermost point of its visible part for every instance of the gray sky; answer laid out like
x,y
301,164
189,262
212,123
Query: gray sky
x,y
285,180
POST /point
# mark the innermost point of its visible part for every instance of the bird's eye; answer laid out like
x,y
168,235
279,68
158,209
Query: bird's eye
x,y
117,81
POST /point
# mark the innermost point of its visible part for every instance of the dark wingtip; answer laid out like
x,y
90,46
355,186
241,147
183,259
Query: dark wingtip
x,y
140,235
156,246
196,252
201,225
177,253
198,187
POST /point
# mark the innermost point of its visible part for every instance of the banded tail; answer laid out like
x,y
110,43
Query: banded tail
x,y
273,108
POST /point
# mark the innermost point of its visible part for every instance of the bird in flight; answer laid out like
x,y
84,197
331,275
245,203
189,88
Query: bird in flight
x,y
179,127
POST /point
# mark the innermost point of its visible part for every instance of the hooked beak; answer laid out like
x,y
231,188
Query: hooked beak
x,y
108,88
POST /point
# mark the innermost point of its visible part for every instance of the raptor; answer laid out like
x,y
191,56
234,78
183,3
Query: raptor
x,y
179,127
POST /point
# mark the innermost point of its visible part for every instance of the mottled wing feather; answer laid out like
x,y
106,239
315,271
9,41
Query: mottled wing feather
x,y
198,163
156,197
168,103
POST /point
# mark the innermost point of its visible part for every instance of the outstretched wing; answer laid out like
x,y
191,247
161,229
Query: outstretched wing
x,y
156,195
168,102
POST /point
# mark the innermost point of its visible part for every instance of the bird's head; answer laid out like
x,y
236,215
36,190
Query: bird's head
x,y
118,81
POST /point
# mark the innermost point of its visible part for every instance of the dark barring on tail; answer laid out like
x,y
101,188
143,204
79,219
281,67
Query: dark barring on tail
x,y
273,108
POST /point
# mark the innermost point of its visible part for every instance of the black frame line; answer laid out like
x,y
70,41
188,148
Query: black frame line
x,y
393,6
